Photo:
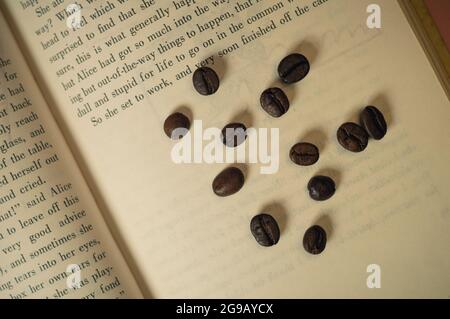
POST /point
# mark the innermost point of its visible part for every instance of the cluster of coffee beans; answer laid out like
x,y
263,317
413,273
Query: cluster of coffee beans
x,y
355,138
274,101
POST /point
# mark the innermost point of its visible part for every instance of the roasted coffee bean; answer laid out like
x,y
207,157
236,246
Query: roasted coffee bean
x,y
228,182
206,81
293,68
353,137
265,230
315,240
234,134
321,188
275,102
304,154
374,123
176,126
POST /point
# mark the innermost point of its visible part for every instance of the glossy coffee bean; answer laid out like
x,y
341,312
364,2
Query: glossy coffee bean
x,y
234,134
373,121
265,230
275,102
321,188
293,68
304,154
176,126
353,137
205,81
315,240
228,182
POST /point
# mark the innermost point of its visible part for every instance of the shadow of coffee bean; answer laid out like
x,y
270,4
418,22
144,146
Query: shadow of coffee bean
x,y
245,168
290,90
220,66
245,117
278,211
353,115
186,111
335,174
308,48
326,223
316,137
381,102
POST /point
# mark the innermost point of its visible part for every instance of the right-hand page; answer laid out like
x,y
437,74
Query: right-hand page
x,y
387,224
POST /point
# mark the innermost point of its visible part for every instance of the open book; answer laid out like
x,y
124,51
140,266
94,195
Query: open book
x,y
92,205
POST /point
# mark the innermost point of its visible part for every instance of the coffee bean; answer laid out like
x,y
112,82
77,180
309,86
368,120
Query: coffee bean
x,y
353,137
228,182
315,240
374,123
234,134
206,81
265,230
304,154
321,188
275,102
293,68
176,126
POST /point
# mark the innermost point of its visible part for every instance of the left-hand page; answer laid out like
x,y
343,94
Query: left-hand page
x,y
54,242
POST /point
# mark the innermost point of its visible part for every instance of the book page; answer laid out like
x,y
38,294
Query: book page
x,y
129,65
53,241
